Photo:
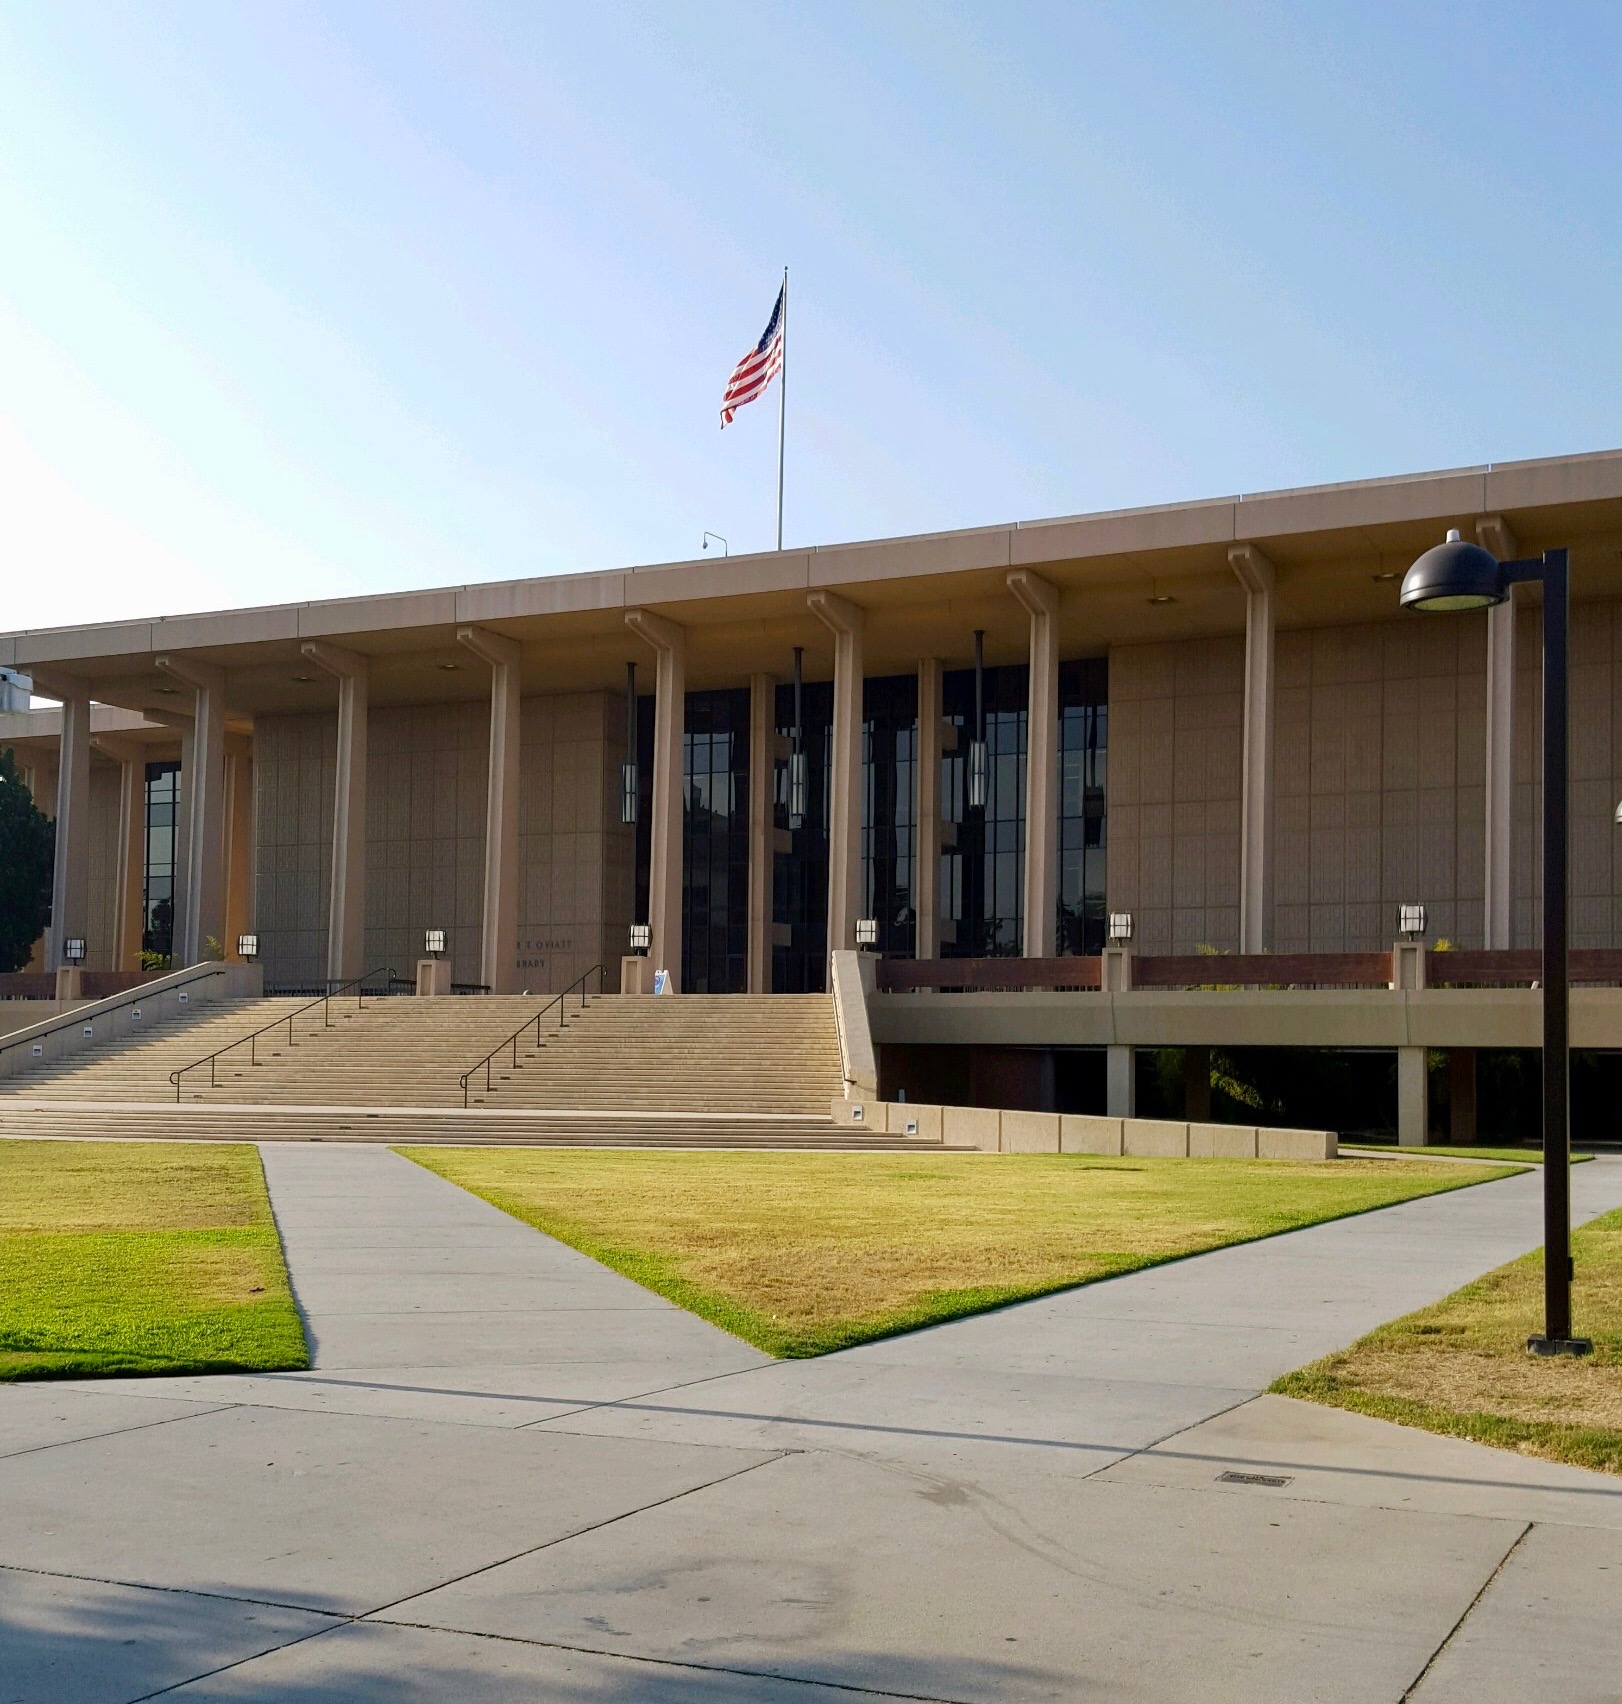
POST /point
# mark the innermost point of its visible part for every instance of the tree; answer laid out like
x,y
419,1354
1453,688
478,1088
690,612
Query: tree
x,y
27,850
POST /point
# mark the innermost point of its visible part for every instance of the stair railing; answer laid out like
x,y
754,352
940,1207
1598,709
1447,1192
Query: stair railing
x,y
510,1045
324,1001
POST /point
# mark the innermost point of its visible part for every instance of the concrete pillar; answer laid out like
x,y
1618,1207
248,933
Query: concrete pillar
x,y
1041,603
130,866
1493,534
70,879
844,620
1413,1111
762,829
346,910
1197,1083
1255,574
1120,1083
926,864
498,933
239,843
182,851
202,876
1461,1085
669,644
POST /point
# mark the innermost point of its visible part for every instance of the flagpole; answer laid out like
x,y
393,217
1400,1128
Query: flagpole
x,y
782,410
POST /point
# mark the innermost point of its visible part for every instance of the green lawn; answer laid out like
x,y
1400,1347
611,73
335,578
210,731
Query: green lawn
x,y
140,1257
800,1254
1511,1156
1461,1366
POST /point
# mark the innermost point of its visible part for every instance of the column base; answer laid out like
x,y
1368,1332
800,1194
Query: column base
x,y
1549,1346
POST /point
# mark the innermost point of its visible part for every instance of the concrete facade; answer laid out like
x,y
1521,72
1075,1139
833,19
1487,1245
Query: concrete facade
x,y
1288,759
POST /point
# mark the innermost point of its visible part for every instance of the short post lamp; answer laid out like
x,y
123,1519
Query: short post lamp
x,y
867,932
73,949
1411,921
1120,928
1456,576
433,943
248,947
641,937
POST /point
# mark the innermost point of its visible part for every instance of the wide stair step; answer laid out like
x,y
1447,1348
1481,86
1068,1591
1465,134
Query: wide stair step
x,y
167,1122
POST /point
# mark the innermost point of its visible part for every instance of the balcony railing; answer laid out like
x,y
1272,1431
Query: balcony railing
x,y
1517,968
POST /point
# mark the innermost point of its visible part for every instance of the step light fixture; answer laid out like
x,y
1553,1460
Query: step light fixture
x,y
1411,921
433,943
248,947
867,931
1120,927
73,949
641,937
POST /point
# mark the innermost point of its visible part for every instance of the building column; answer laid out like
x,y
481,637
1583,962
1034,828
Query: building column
x,y
70,876
201,917
1255,574
1413,1104
239,844
1197,1084
1493,534
1461,1085
669,643
762,829
844,620
1120,1083
128,910
498,932
346,910
926,863
1041,602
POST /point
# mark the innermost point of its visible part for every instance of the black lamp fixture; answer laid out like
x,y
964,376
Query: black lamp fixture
x,y
433,942
73,949
1459,576
629,779
796,756
248,947
977,745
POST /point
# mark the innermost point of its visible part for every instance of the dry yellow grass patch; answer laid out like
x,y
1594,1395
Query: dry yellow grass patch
x,y
1462,1367
802,1253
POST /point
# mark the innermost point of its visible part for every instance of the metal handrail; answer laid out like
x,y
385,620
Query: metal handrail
x,y
131,997
322,1000
558,1000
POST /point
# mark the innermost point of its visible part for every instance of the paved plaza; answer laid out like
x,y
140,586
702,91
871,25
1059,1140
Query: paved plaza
x,y
513,1475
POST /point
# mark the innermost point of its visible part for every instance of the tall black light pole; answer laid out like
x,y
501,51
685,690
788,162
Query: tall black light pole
x,y
1454,576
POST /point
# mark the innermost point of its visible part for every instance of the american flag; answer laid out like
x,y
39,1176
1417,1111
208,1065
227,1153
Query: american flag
x,y
758,368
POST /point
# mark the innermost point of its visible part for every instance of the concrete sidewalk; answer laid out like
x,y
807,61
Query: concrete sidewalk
x,y
514,1475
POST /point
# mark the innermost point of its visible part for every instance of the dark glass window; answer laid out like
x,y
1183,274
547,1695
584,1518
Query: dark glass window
x,y
982,876
715,843
889,809
162,829
800,875
1083,743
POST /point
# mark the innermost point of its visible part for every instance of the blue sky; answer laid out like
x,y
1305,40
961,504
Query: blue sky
x,y
303,300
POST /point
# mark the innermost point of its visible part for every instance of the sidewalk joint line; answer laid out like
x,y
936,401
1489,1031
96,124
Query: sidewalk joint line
x,y
119,1431
1430,1662
563,1538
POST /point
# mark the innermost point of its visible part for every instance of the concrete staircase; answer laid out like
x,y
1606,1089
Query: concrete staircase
x,y
137,1067
690,1070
